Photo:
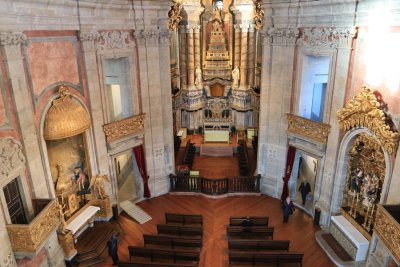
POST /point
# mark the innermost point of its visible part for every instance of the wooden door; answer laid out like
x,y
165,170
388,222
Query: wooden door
x,y
14,203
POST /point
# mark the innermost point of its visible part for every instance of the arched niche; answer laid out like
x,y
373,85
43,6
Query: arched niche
x,y
72,148
362,119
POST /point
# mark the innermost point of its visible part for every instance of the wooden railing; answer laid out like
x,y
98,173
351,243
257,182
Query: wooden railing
x,y
28,238
240,184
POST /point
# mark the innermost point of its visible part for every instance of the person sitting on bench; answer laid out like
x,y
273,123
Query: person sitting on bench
x,y
247,222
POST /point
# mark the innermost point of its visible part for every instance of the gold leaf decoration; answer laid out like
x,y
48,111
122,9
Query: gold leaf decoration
x,y
311,129
363,111
125,127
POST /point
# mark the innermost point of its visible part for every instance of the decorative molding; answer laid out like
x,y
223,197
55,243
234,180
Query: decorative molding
x,y
153,37
281,36
11,156
311,129
241,100
129,126
388,229
115,40
174,15
30,237
328,37
89,36
258,14
364,111
67,243
192,99
12,38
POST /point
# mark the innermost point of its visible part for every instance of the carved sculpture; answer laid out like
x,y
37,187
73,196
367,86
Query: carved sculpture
x,y
11,156
174,15
235,76
199,79
98,187
61,215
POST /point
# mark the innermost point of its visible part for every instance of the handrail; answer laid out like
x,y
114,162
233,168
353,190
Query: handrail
x,y
30,237
218,186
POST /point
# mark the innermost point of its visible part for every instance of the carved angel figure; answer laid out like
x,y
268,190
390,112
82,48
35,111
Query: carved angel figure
x,y
97,185
60,210
174,15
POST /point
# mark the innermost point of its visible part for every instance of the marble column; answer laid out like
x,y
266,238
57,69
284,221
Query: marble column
x,y
190,52
251,55
183,56
10,45
243,55
237,46
99,164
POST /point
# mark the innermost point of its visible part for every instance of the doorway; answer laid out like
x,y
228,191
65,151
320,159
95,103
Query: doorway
x,y
128,177
303,179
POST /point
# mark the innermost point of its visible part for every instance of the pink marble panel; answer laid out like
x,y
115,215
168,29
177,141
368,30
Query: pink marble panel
x,y
2,109
52,62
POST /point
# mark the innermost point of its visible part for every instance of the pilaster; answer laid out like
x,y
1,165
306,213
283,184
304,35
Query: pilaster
x,y
10,45
243,55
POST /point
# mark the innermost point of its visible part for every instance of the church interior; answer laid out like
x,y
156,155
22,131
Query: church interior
x,y
199,133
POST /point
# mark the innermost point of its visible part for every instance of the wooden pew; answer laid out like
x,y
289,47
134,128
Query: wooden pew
x,y
184,219
164,254
154,264
257,221
262,258
254,232
172,242
178,230
258,245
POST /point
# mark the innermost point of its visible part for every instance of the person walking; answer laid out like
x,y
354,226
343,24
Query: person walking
x,y
113,249
288,208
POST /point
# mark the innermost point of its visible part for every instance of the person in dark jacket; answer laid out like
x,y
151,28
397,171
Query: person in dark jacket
x,y
304,189
113,249
247,222
288,208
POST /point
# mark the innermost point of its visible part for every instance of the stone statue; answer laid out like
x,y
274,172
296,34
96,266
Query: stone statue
x,y
199,80
97,186
217,26
65,185
174,15
235,77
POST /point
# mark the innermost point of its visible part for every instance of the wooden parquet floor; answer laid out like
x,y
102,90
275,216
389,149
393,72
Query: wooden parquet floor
x,y
216,212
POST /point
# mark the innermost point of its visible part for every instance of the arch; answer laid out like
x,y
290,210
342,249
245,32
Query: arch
x,y
342,163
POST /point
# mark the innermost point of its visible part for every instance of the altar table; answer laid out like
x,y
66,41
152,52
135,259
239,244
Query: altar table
x,y
83,219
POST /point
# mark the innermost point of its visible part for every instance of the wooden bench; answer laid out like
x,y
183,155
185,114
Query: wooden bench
x,y
254,232
178,230
172,242
262,258
163,254
258,244
257,221
154,264
184,219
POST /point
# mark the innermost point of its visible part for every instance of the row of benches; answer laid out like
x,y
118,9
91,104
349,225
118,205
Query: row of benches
x,y
258,248
244,166
179,241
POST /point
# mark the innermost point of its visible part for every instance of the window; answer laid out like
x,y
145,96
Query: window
x,y
313,87
119,89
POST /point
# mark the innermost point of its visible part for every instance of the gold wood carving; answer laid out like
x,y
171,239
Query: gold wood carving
x,y
308,128
67,243
363,111
30,237
125,127
388,230
105,207
174,14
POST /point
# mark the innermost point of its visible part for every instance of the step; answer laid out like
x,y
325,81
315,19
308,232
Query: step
x,y
91,262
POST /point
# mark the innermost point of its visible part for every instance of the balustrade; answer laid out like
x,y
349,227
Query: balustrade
x,y
240,184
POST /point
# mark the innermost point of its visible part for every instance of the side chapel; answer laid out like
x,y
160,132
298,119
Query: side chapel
x,y
94,95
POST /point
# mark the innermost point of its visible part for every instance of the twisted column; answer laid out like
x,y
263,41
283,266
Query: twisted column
x,y
237,46
190,53
197,46
251,56
183,55
243,56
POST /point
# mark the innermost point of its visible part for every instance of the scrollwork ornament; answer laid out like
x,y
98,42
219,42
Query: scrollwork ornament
x,y
328,37
308,128
258,14
174,15
11,155
125,127
281,36
89,36
363,111
115,40
12,38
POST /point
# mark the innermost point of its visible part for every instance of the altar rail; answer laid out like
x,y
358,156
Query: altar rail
x,y
215,187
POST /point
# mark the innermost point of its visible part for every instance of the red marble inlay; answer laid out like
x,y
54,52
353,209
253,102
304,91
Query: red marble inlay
x,y
52,62
2,109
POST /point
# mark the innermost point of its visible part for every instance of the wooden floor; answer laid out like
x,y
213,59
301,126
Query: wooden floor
x,y
300,228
